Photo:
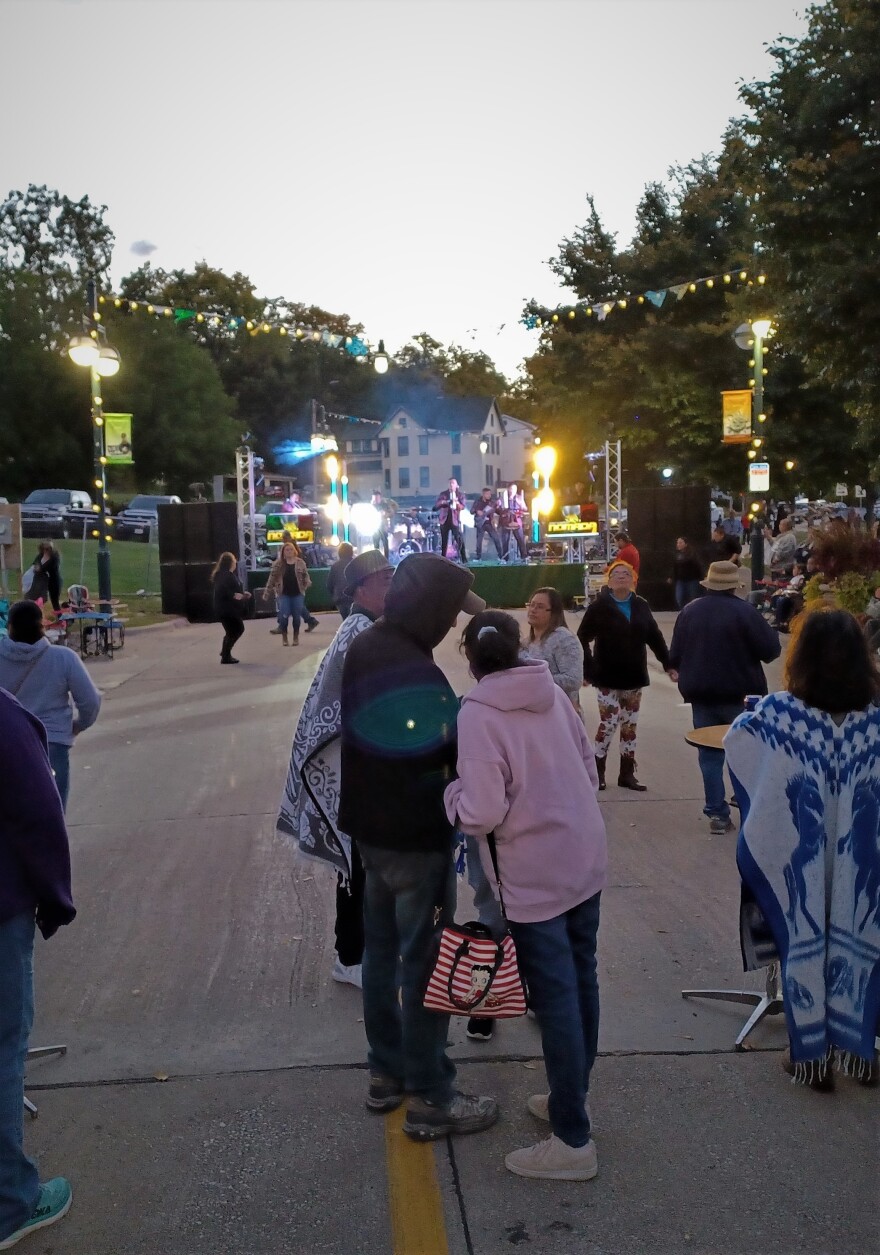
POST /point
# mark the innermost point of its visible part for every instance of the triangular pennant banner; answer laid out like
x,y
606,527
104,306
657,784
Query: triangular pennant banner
x,y
657,298
601,312
679,290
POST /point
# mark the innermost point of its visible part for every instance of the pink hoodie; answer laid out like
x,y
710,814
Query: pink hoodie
x,y
526,770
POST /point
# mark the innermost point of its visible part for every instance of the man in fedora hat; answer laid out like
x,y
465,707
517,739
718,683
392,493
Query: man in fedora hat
x,y
309,812
718,645
399,752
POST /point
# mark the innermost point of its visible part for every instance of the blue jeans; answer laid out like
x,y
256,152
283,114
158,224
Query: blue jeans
x,y
402,891
59,761
488,906
686,591
558,960
19,1180
705,715
291,608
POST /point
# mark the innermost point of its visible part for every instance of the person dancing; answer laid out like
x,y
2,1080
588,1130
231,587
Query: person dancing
x,y
230,603
450,505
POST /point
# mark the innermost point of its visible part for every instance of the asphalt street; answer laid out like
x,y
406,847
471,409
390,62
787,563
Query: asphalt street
x,y
211,1098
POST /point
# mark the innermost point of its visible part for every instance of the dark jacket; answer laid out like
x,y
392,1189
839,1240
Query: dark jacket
x,y
686,567
718,645
51,569
336,586
615,649
34,854
399,713
226,585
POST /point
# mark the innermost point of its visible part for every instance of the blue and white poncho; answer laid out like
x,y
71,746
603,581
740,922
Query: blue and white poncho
x,y
809,855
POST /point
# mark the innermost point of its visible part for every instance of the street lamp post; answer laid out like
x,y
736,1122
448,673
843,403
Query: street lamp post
x,y
103,362
760,330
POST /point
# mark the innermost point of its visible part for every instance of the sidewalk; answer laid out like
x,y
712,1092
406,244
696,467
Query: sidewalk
x,y
201,954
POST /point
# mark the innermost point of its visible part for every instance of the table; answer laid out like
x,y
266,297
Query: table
x,y
708,738
770,1001
100,632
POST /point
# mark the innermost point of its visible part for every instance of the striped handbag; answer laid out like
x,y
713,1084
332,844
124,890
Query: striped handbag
x,y
475,975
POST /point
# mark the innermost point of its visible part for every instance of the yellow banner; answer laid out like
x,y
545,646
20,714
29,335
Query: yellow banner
x,y
736,416
117,439
571,527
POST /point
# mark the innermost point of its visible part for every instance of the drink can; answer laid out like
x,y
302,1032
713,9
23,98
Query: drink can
x,y
751,701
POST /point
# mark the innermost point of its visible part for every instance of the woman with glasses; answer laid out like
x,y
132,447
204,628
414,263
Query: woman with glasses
x,y
550,639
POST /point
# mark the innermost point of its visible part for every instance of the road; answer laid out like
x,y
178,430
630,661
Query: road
x,y
211,1099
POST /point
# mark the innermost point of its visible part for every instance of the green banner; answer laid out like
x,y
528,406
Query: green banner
x,y
117,439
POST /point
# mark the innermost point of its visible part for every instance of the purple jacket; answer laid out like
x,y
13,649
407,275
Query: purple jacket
x,y
34,854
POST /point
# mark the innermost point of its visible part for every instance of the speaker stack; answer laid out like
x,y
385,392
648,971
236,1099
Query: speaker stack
x,y
191,539
656,517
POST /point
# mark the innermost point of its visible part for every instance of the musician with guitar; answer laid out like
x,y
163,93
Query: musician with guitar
x,y
450,505
513,510
485,512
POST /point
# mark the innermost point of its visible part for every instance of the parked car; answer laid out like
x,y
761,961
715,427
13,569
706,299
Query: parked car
x,y
56,512
140,518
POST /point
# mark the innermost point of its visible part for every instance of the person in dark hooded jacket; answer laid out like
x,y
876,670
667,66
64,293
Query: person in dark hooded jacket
x,y
398,753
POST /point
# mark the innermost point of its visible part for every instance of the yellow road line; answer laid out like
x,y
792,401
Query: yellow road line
x,y
414,1200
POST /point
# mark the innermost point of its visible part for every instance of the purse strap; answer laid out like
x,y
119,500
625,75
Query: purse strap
x,y
460,953
493,851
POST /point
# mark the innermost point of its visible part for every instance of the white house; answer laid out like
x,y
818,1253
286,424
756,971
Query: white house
x,y
422,445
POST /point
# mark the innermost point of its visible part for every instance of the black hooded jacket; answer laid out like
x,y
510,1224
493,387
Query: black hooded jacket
x,y
399,713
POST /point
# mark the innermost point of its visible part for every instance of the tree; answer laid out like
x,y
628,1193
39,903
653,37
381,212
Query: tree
x,y
816,138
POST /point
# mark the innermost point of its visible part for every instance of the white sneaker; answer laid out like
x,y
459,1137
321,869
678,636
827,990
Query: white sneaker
x,y
554,1160
538,1105
347,975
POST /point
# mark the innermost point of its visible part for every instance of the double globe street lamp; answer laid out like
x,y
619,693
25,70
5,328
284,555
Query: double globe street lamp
x,y
102,362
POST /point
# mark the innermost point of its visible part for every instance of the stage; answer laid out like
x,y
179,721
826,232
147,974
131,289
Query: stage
x,y
499,584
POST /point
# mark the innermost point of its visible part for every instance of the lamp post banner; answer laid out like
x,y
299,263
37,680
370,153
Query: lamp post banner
x,y
736,416
117,429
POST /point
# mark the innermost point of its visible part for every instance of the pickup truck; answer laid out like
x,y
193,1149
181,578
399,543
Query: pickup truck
x,y
140,518
56,512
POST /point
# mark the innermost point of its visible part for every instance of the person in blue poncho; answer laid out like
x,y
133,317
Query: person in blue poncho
x,y
804,767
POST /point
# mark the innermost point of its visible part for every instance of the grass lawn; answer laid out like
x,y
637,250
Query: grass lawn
x,y
132,567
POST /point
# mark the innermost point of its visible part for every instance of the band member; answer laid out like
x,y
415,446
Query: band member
x,y
293,505
485,512
380,536
513,511
450,505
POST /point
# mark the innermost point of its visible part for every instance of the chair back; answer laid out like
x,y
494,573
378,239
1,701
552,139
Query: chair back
x,y
78,597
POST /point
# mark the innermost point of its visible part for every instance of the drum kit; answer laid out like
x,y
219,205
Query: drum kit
x,y
417,531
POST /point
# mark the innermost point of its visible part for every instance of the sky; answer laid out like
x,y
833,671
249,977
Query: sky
x,y
411,163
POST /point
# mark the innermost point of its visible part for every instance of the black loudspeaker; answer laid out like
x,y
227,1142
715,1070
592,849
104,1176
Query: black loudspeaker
x,y
171,546
656,517
199,592
172,576
209,529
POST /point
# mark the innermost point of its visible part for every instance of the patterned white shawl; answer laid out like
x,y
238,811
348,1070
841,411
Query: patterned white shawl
x,y
809,853
310,803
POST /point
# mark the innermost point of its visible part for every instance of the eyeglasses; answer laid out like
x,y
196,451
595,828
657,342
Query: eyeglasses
x,y
536,605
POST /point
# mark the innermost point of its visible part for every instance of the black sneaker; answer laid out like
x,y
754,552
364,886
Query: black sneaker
x,y
310,627
480,1029
464,1113
384,1094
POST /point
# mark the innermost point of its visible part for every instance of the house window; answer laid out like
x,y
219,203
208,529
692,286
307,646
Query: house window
x,y
491,420
403,446
456,473
456,443
403,477
498,475
401,422
385,450
424,477
489,475
387,481
423,446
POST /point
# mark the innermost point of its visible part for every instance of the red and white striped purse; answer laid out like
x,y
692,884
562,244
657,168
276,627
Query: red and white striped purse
x,y
474,974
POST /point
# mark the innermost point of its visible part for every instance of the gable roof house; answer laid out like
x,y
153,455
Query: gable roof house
x,y
423,444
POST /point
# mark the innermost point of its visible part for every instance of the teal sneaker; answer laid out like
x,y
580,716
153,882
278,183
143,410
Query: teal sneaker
x,y
53,1203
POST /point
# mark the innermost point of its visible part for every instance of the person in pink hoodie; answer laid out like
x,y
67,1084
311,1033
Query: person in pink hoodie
x,y
526,771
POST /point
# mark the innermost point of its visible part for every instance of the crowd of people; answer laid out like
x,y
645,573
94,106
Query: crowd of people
x,y
390,774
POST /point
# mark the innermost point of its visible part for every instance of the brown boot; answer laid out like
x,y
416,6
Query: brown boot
x,y
600,768
296,638
627,777
284,640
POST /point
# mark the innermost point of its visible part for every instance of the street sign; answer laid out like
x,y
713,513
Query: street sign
x,y
759,477
860,492
840,490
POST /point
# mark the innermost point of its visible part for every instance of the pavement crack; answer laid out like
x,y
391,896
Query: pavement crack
x,y
459,1194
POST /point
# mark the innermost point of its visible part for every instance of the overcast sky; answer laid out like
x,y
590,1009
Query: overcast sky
x,y
412,163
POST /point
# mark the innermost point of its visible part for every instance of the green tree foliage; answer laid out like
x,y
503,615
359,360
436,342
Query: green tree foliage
x,y
816,137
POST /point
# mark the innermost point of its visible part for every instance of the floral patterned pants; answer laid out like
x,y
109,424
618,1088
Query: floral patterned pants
x,y
618,706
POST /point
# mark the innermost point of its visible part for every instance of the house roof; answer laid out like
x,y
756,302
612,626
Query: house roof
x,y
448,414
